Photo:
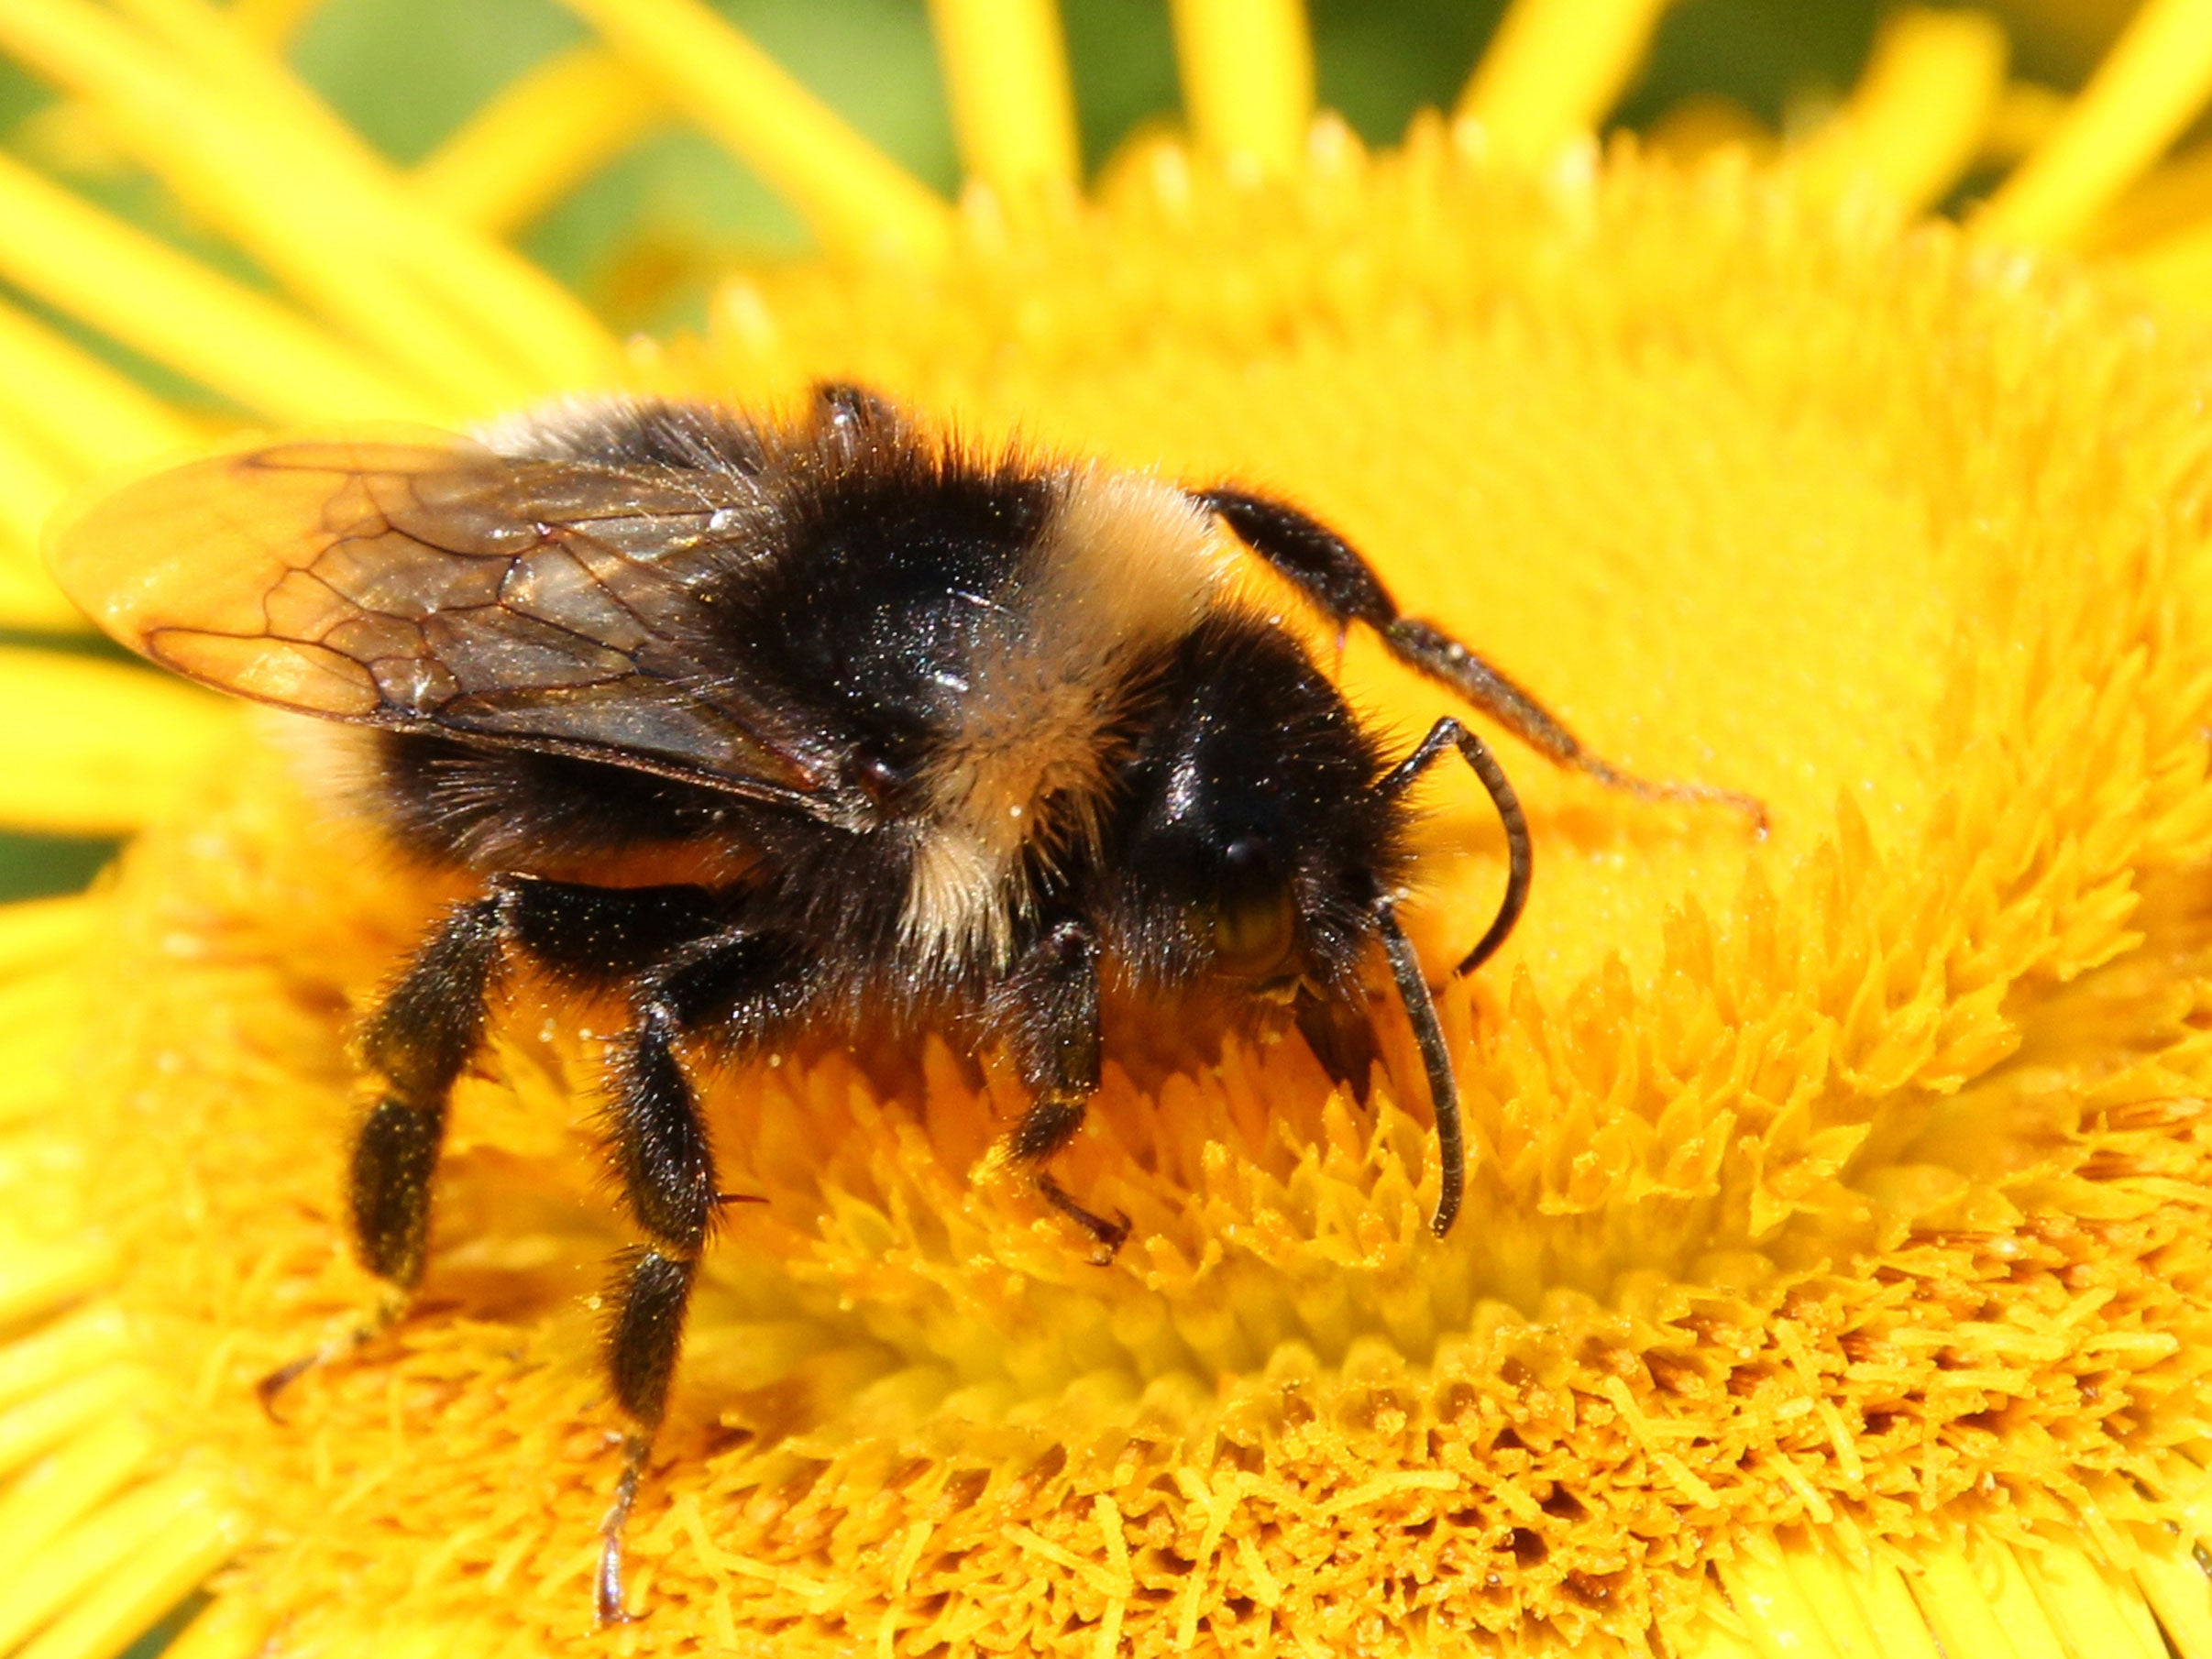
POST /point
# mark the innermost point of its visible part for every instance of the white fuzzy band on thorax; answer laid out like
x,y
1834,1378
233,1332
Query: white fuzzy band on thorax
x,y
1125,565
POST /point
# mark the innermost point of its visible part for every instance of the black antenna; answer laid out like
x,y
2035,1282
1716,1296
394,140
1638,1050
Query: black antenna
x,y
1443,1087
1447,733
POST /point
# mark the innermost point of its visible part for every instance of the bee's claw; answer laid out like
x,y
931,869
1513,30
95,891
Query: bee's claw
x,y
608,1600
283,1376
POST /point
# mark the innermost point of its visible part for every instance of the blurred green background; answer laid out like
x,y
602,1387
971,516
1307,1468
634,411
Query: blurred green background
x,y
643,240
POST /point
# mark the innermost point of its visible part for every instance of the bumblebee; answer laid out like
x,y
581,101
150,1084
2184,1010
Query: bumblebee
x,y
822,725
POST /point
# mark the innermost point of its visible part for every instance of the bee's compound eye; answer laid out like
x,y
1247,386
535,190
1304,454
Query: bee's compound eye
x,y
1254,925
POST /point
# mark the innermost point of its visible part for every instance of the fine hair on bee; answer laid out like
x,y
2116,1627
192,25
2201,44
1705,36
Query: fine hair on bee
x,y
824,725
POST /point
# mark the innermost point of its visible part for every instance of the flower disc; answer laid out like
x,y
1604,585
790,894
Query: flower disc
x,y
1844,1181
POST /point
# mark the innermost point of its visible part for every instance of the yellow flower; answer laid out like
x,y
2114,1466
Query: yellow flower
x,y
1835,1277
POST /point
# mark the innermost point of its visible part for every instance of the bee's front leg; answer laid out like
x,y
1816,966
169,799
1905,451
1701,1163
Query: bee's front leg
x,y
1048,1012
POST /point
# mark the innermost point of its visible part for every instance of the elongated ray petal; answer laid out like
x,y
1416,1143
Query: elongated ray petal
x,y
29,489
272,21
77,405
1555,68
547,131
2173,199
73,1479
2176,268
122,1606
2149,87
172,1526
178,312
530,318
856,198
97,748
232,1629
298,231
40,932
1006,67
1247,76
1915,120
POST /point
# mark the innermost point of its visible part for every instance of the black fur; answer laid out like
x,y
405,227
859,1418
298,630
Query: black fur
x,y
1249,835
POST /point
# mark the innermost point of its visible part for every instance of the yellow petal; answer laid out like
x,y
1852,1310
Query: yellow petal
x,y
90,414
853,196
178,312
1005,66
1555,68
549,129
522,314
1247,77
253,185
95,748
2149,87
1917,117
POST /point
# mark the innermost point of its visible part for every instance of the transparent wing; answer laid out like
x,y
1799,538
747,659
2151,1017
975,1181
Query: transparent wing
x,y
419,582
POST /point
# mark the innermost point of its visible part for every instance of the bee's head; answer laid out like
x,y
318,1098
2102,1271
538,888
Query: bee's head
x,y
1252,842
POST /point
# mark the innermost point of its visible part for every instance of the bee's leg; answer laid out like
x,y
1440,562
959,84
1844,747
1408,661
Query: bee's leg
x,y
418,1040
1331,573
741,981
1048,1011
1342,1039
431,1024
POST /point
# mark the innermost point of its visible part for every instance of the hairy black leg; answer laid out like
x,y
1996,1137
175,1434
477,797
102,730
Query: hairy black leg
x,y
1342,1039
418,1040
431,1024
1332,575
1047,1009
665,1168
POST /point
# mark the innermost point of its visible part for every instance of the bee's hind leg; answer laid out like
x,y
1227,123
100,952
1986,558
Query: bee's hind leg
x,y
431,1024
426,1029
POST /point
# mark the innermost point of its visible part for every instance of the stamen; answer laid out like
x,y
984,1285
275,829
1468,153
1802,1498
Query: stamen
x,y
77,405
545,132
1915,120
1555,68
1247,77
517,309
95,748
2150,86
1006,69
857,199
175,309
